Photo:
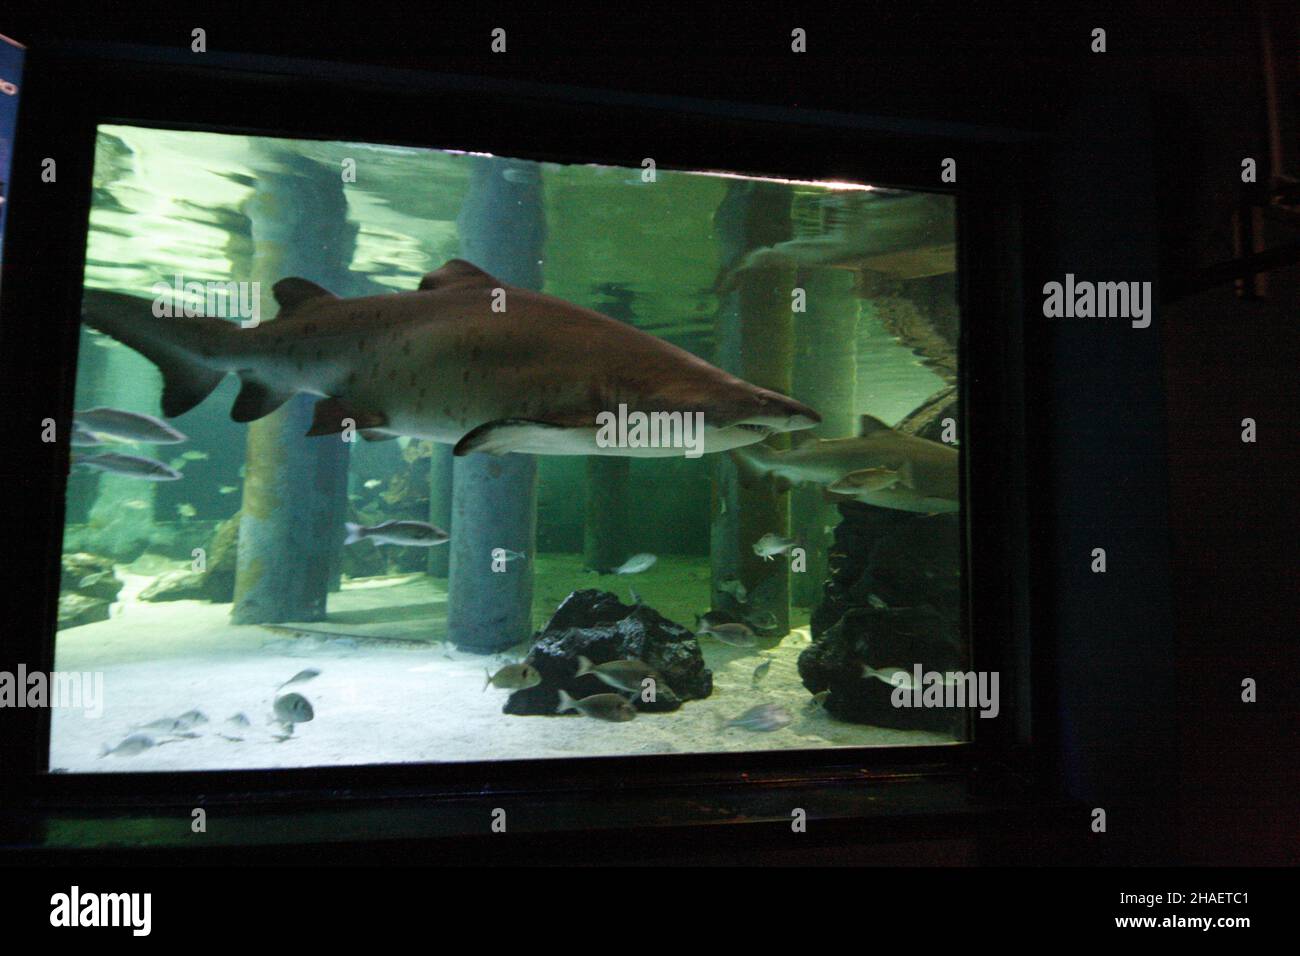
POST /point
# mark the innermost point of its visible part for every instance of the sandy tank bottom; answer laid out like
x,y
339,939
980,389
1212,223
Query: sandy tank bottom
x,y
384,701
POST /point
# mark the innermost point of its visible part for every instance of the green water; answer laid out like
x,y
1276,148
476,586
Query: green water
x,y
170,203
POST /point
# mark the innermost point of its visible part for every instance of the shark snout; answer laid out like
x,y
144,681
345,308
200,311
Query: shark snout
x,y
780,413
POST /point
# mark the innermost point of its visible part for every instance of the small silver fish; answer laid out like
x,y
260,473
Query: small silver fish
x,y
186,510
636,564
82,438
507,555
135,744
625,675
772,544
93,579
191,718
293,709
239,720
128,426
763,620
876,602
414,534
735,634
760,672
227,489
764,717
301,677
136,504
129,466
195,455
611,707
513,677
372,484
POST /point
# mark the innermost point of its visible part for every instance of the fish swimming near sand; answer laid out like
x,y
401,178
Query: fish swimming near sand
x,y
611,707
734,633
412,534
132,745
926,471
764,717
626,675
446,363
636,564
760,672
301,677
293,709
127,426
129,466
513,677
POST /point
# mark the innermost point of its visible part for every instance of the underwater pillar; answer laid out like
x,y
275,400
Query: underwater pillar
x,y
605,522
295,489
825,376
604,531
441,465
755,332
494,498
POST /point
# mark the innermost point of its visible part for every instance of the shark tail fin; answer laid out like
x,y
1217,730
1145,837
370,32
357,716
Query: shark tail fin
x,y
178,346
354,533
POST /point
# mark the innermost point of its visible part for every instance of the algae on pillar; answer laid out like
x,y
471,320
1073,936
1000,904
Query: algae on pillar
x,y
494,499
294,502
825,376
756,342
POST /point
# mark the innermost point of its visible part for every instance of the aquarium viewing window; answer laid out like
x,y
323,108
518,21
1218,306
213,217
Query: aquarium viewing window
x,y
401,455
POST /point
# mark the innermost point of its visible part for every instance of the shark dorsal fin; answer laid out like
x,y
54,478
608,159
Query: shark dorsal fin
x,y
293,293
454,272
868,424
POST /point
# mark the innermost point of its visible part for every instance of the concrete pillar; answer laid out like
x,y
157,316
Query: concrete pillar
x,y
295,490
825,376
494,499
755,333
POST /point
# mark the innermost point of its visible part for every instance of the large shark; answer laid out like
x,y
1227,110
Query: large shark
x,y
879,466
465,359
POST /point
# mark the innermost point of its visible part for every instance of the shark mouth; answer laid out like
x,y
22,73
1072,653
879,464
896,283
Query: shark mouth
x,y
763,430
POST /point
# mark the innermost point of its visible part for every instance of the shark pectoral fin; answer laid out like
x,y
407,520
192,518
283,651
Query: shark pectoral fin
x,y
369,434
293,292
507,435
256,400
332,415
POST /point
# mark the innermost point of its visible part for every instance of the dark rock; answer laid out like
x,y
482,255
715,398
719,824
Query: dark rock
x,y
77,609
903,559
596,625
897,637
215,583
90,575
